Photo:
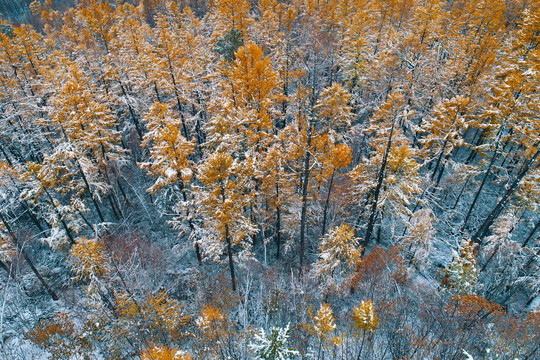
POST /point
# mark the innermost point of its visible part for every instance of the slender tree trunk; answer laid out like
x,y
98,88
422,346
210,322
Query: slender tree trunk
x,y
33,216
278,231
184,128
461,192
473,153
132,113
8,269
64,225
121,190
277,235
305,183
90,192
491,162
379,228
531,234
377,192
327,203
439,160
440,173
190,223
229,253
482,231
157,92
507,154
27,259
495,251
113,207
8,160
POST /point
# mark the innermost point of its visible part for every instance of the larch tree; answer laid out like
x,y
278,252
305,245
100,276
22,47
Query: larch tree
x,y
390,177
168,161
10,244
338,253
280,198
418,240
85,146
168,71
252,83
321,145
230,14
524,102
222,199
330,152
444,133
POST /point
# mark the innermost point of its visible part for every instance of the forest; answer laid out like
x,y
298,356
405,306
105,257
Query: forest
x,y
270,179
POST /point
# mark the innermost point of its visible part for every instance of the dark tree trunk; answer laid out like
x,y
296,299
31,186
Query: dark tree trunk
x,y
278,232
132,113
531,234
305,184
488,171
101,218
327,203
377,192
8,269
483,230
27,259
229,253
184,128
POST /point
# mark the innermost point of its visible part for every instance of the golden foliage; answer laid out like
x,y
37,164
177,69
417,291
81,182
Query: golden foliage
x,y
159,313
169,149
164,353
210,316
364,317
333,106
58,335
323,323
338,253
89,258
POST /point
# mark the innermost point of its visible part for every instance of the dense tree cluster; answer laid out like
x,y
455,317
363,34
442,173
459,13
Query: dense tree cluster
x,y
311,179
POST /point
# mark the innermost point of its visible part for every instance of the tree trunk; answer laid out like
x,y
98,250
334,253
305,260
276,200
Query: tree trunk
x,y
531,234
68,232
8,269
473,153
132,113
305,183
377,192
440,173
278,232
190,223
33,216
439,160
327,203
229,253
90,191
491,162
461,192
184,128
27,259
483,230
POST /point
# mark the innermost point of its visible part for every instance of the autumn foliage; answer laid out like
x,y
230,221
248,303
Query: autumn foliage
x,y
211,179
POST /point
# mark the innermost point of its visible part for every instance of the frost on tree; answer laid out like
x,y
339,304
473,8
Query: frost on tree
x,y
364,317
419,236
461,276
272,345
338,254
222,199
